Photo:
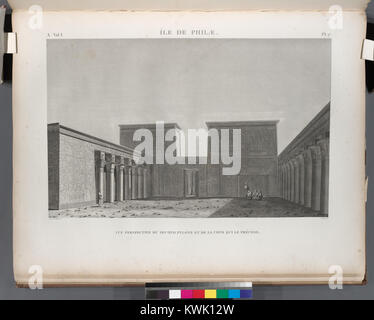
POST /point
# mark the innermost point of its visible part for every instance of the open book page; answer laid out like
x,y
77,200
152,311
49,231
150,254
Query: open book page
x,y
284,202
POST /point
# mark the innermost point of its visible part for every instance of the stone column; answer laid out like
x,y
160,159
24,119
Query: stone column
x,y
134,182
281,187
307,154
101,165
145,183
127,183
279,179
140,183
288,197
280,172
110,184
316,178
296,181
300,160
284,181
288,180
120,181
324,145
292,181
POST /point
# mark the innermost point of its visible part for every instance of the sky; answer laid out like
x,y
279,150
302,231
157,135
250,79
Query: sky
x,y
94,85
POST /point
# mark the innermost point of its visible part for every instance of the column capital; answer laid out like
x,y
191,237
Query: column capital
x,y
110,157
101,159
324,145
125,161
294,161
121,161
110,166
316,152
300,156
307,154
291,163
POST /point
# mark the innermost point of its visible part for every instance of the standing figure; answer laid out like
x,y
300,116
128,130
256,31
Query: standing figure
x,y
260,195
100,199
246,189
249,194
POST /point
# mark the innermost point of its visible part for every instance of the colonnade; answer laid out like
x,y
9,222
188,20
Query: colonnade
x,y
303,176
120,179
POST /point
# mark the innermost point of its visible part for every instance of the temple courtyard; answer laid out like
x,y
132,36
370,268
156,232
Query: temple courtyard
x,y
191,208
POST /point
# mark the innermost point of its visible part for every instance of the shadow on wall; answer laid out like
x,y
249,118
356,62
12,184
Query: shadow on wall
x,y
269,207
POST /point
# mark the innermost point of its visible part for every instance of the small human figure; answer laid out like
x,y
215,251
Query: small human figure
x,y
246,190
249,194
100,199
257,195
260,195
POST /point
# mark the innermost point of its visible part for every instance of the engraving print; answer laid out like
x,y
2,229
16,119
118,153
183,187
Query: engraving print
x,y
188,128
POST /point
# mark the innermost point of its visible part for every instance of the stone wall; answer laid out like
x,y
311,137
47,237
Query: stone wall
x,y
258,163
53,166
303,170
259,160
127,135
84,170
169,181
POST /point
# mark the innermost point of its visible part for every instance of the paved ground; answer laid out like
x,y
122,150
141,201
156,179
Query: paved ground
x,y
269,207
190,208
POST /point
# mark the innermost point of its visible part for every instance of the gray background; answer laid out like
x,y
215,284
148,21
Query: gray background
x,y
9,291
171,93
